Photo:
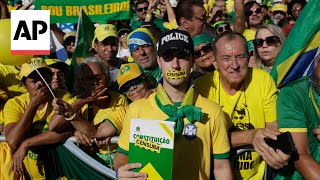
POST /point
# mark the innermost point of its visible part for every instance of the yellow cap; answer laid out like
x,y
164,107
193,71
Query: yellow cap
x,y
68,34
127,73
104,31
279,7
27,68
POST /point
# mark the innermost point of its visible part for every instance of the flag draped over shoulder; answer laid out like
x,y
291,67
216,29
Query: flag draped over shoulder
x,y
296,57
85,34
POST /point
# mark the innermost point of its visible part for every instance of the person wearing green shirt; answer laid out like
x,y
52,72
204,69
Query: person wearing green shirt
x,y
298,112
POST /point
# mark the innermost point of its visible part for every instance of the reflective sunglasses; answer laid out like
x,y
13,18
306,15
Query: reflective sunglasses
x,y
135,83
257,11
206,49
222,29
141,9
271,41
294,8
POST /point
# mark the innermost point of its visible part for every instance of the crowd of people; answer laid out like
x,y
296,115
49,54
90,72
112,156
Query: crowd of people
x,y
199,63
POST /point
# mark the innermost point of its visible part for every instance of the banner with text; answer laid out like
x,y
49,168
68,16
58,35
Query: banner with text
x,y
100,11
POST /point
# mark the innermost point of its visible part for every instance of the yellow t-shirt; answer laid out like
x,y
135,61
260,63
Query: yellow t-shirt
x,y
192,159
10,82
249,34
250,108
14,110
114,114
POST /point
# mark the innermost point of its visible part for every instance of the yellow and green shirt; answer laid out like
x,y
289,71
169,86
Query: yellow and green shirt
x,y
192,158
251,107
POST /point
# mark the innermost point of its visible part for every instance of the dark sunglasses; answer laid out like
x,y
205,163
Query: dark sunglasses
x,y
271,41
135,82
257,11
206,49
222,29
69,40
141,9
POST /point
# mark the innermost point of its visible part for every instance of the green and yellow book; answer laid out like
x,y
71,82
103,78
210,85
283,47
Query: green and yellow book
x,y
151,144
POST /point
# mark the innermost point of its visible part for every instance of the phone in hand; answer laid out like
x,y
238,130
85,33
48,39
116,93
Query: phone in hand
x,y
285,143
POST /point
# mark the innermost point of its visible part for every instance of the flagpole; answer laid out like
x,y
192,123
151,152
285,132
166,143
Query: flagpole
x,y
78,26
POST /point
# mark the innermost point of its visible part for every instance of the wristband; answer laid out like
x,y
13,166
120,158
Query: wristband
x,y
71,118
117,174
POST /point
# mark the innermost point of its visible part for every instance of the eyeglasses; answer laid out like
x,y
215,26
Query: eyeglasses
x,y
278,12
271,41
93,78
135,83
201,19
294,8
222,28
206,49
141,9
257,11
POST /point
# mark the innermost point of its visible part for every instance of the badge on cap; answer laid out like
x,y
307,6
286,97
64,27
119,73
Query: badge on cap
x,y
190,131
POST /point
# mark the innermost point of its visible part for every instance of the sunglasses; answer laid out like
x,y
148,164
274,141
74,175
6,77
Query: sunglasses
x,y
271,41
206,49
135,83
222,29
69,40
141,9
257,11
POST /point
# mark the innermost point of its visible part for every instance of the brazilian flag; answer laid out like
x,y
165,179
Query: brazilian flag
x,y
297,55
85,34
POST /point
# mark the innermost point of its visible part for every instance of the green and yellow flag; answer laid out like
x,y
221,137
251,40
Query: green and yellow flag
x,y
85,34
297,55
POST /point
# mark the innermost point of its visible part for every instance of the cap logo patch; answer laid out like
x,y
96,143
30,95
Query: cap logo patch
x,y
174,37
124,69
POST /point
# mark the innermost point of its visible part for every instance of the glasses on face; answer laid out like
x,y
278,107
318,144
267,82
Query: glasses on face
x,y
295,8
257,11
93,78
171,54
271,41
201,19
141,9
206,49
222,29
133,83
278,12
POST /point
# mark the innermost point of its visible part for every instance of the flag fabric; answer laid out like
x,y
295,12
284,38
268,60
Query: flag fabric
x,y
85,34
297,55
66,165
56,47
99,10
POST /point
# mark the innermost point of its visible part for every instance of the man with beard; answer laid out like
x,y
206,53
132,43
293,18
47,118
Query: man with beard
x,y
298,112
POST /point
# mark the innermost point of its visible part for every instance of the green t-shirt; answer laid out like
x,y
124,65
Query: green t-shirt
x,y
297,113
155,74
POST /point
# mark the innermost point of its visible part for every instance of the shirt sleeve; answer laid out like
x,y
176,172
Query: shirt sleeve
x,y
290,113
270,99
125,133
220,141
12,111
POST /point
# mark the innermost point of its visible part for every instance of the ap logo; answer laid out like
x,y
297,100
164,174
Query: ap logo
x,y
30,32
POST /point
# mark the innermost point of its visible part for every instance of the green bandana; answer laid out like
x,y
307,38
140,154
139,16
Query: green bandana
x,y
187,109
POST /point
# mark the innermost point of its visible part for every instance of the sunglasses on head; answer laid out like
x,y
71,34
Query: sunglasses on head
x,y
135,82
257,11
222,29
271,41
206,49
141,9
